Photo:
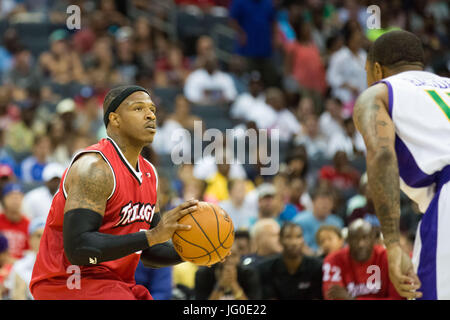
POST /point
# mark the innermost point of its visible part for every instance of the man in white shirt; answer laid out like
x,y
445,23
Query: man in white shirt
x,y
249,100
209,85
331,120
37,202
346,71
282,119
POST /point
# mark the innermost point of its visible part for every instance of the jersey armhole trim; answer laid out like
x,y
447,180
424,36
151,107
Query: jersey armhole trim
x,y
76,157
390,96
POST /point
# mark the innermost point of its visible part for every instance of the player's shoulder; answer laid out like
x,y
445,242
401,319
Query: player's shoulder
x,y
379,90
90,168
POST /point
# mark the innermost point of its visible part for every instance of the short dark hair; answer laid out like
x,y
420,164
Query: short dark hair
x,y
289,224
396,48
242,233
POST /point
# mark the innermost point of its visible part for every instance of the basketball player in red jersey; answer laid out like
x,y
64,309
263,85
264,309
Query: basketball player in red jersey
x,y
107,196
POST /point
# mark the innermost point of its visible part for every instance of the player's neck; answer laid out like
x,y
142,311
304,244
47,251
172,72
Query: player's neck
x,y
394,71
130,151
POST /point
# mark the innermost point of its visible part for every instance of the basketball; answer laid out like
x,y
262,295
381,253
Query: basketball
x,y
210,238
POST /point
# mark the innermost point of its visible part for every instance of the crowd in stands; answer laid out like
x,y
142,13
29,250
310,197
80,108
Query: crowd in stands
x,y
307,232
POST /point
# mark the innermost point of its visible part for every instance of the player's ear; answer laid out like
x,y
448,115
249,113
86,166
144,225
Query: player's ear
x,y
114,119
378,71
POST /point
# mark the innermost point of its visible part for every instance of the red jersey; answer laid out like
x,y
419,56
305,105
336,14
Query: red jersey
x,y
17,235
363,280
129,209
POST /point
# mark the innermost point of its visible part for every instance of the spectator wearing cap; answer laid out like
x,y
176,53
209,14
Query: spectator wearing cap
x,y
19,278
5,264
6,175
37,202
13,224
310,221
32,167
66,111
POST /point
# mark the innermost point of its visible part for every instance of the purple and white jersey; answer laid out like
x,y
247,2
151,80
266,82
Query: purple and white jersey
x,y
419,105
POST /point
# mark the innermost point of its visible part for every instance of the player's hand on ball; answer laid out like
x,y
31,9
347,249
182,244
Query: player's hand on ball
x,y
401,273
169,223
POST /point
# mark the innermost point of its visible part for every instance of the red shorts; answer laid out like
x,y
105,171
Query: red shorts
x,y
90,289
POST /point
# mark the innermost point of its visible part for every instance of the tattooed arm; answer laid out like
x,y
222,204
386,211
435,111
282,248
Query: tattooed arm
x,y
89,183
372,119
374,123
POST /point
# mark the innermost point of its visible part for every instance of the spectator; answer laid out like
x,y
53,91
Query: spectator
x,y
126,59
243,242
341,174
299,196
251,101
23,72
330,239
350,141
291,275
227,280
346,73
208,85
66,110
267,202
5,265
310,221
6,176
6,156
254,23
283,120
182,113
61,64
331,121
20,276
32,167
157,280
13,224
312,138
172,70
240,206
348,273
37,202
264,235
20,135
10,45
204,48
303,61
9,112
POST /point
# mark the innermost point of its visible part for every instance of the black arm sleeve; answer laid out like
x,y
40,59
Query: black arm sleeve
x,y
84,245
160,255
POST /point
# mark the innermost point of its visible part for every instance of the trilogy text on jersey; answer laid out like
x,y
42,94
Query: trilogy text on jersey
x,y
135,212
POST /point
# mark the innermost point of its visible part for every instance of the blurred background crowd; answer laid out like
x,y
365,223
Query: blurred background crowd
x,y
296,66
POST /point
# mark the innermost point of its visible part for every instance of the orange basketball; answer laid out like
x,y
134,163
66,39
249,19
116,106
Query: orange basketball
x,y
210,238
